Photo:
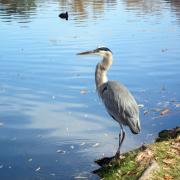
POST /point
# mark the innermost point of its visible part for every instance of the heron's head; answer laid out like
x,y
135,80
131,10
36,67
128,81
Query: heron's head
x,y
102,51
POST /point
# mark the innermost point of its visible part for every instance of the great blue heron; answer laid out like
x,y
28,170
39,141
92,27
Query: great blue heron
x,y
117,99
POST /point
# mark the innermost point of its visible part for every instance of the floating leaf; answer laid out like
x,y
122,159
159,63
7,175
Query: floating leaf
x,y
80,177
146,112
177,105
13,139
95,145
83,91
52,174
85,115
164,50
82,144
105,134
157,109
30,159
72,147
38,169
140,105
61,151
164,111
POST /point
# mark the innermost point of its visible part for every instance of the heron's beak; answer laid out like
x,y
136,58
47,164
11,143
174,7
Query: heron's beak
x,y
86,52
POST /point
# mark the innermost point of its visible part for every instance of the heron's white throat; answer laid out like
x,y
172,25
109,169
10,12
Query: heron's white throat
x,y
101,71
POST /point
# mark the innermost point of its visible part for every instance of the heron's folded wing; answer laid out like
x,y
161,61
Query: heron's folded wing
x,y
120,103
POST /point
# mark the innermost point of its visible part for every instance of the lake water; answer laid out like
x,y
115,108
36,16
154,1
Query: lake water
x,y
52,123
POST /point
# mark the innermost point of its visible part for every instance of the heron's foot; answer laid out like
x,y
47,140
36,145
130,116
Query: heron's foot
x,y
104,161
117,155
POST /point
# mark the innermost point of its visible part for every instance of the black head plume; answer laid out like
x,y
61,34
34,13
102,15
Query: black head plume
x,y
103,49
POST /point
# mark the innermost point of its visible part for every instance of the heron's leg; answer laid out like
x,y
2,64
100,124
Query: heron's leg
x,y
121,139
123,136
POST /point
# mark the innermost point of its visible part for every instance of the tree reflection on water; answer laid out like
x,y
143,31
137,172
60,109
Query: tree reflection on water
x,y
175,7
153,6
17,7
24,8
84,9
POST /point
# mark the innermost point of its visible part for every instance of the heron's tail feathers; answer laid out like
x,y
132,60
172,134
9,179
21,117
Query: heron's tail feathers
x,y
134,125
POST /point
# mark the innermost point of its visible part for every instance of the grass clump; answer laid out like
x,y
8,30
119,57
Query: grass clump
x,y
133,164
126,168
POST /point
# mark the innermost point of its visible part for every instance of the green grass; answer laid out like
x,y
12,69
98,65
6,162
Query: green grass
x,y
126,168
165,153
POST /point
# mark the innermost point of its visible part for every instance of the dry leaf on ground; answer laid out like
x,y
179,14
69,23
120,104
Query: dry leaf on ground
x,y
169,161
167,177
144,156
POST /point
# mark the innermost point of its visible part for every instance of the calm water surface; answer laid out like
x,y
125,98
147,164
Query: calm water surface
x,y
52,123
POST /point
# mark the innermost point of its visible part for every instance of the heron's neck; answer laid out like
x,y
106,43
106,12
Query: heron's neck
x,y
101,71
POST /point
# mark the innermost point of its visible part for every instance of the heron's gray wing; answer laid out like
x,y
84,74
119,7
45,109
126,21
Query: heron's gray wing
x,y
120,104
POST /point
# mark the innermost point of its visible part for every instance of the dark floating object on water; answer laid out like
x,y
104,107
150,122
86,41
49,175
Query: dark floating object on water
x,y
64,15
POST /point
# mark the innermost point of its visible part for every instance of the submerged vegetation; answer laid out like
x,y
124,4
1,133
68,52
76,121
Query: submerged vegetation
x,y
156,161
